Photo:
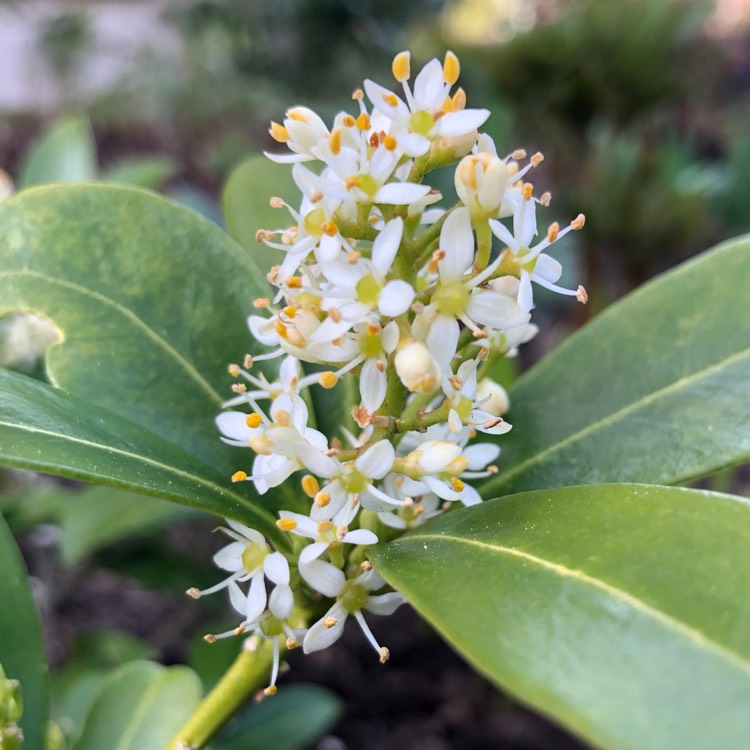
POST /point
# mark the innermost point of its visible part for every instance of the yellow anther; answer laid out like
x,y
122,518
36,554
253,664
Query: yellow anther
x,y
467,172
329,622
578,222
385,654
447,105
553,231
328,379
348,121
519,153
391,100
527,190
390,143
279,133
310,485
459,100
193,593
297,114
261,302
545,199
276,202
324,527
270,690
294,282
330,228
322,499
334,141
289,311
457,484
537,159
234,370
240,630
209,638
451,68
582,295
280,328
334,314
253,420
352,182
239,388
402,66
239,476
282,417
358,94
374,140
363,121
286,524
291,644
492,469
353,256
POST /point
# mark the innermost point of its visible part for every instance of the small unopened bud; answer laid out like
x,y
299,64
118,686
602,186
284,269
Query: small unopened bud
x,y
417,368
493,397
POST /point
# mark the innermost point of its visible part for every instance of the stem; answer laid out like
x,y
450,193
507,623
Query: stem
x,y
484,244
249,671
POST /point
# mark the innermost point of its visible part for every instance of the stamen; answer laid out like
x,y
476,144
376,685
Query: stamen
x,y
286,524
234,370
582,295
193,593
279,133
553,231
310,485
253,420
276,202
363,121
334,141
518,154
328,379
401,66
451,68
348,121
239,476
537,159
578,222
322,499
329,622
390,143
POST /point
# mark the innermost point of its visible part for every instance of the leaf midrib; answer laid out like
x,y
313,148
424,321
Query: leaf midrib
x,y
138,322
695,636
141,710
624,411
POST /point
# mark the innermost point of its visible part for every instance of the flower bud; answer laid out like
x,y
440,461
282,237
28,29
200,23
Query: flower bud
x,y
417,368
497,402
433,457
480,181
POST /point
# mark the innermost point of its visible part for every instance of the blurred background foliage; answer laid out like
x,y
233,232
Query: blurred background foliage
x,y
641,107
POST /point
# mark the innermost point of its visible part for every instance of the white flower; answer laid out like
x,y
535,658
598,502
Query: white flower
x,y
417,505
429,112
480,181
417,368
302,131
530,263
493,397
339,498
352,596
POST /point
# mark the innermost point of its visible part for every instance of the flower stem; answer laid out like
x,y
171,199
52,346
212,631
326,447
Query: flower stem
x,y
248,673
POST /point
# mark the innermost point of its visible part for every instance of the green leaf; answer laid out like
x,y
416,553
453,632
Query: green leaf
x,y
140,707
147,172
245,200
65,153
21,645
656,389
268,724
619,610
47,430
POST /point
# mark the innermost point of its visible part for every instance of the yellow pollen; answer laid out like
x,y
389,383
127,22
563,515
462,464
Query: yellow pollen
x,y
519,153
582,295
358,94
537,159
280,328
527,191
297,114
578,222
390,142
324,527
240,630
286,524
451,68
363,121
253,420
492,469
330,229
290,311
239,388
447,105
291,644
457,484
282,417
322,499
279,133
239,476
352,182
328,379
234,370
401,66
334,141
391,100
329,622
459,100
348,121
294,282
334,315
270,690
553,231
310,485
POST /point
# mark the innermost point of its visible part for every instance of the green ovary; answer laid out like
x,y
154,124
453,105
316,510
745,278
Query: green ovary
x,y
368,290
314,222
353,481
452,298
253,556
421,122
354,597
270,625
463,409
371,345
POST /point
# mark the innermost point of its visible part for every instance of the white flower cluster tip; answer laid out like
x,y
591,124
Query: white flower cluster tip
x,y
417,301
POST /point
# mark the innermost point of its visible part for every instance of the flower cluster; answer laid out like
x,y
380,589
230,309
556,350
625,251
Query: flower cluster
x,y
417,302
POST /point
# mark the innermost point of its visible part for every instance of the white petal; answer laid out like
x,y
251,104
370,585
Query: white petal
x,y
389,337
323,577
317,462
392,520
276,568
504,234
484,416
441,489
237,598
312,552
377,460
496,310
525,292
443,339
461,122
414,144
469,496
481,454
328,248
233,424
246,531
400,193
281,601
548,268
385,604
230,557
372,385
386,245
256,598
262,329
319,636
395,298
524,222
339,498
287,158
380,97
457,239
305,525
371,580
429,87
360,536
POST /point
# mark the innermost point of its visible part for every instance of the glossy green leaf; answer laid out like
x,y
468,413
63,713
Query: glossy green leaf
x,y
65,153
656,389
267,725
147,171
620,610
47,430
21,645
140,707
245,200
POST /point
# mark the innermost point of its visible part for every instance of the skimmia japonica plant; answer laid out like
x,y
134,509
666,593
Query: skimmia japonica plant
x,y
363,458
